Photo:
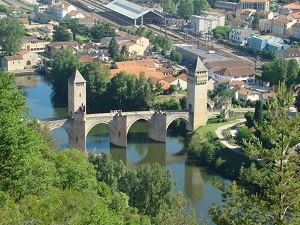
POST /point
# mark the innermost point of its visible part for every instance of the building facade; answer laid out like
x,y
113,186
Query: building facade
x,y
259,5
206,22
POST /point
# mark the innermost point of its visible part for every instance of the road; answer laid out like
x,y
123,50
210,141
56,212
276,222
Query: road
x,y
224,140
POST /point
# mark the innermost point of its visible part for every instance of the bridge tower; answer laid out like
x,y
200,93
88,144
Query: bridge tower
x,y
197,94
77,109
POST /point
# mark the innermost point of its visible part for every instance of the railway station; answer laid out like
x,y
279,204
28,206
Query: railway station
x,y
133,13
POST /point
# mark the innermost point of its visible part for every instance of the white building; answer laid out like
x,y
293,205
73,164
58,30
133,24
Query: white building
x,y
240,36
206,22
259,5
296,31
226,5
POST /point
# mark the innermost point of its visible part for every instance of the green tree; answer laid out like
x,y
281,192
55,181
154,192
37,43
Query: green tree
x,y
276,175
101,30
75,26
6,8
113,47
163,42
185,9
124,50
221,32
175,56
61,33
173,88
259,113
255,22
292,72
11,35
200,5
63,65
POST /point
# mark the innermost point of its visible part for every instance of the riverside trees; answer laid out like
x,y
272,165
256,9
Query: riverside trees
x,y
41,185
11,34
275,149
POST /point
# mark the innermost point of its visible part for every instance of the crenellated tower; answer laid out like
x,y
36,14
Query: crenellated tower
x,y
197,94
77,109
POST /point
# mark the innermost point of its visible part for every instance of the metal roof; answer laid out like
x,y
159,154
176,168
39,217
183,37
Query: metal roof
x,y
128,9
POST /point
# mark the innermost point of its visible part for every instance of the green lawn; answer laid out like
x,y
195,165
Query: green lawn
x,y
212,127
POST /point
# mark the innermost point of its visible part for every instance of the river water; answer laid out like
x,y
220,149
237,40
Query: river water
x,y
193,181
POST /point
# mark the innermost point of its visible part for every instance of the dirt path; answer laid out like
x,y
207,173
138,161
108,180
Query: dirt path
x,y
224,140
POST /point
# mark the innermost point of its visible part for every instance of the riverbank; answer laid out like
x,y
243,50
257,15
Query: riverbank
x,y
206,148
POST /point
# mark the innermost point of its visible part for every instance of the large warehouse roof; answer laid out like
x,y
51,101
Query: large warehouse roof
x,y
128,9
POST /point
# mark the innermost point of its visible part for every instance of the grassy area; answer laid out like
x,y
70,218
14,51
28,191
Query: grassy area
x,y
163,98
212,127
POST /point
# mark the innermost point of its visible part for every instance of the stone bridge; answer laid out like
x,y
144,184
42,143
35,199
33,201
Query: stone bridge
x,y
119,124
78,123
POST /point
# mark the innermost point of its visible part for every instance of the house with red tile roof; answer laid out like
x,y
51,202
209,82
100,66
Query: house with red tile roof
x,y
22,60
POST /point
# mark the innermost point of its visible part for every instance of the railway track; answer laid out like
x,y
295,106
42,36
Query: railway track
x,y
176,36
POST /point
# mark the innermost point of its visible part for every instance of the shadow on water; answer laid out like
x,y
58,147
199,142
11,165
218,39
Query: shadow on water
x,y
192,181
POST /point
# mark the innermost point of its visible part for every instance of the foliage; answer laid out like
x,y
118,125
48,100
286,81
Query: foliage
x,y
6,8
171,104
220,92
221,32
206,149
61,33
276,174
124,50
148,187
75,26
175,56
173,88
113,47
11,35
40,184
185,9
281,70
97,78
101,30
255,22
249,116
201,5
63,65
127,92
159,41
267,54
244,134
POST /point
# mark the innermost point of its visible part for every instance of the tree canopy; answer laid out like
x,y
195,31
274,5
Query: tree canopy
x,y
200,5
281,70
75,26
101,30
41,184
11,35
61,33
185,9
274,147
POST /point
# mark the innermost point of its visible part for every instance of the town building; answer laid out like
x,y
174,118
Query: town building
x,y
226,5
267,42
207,21
22,60
259,5
296,31
240,36
282,26
33,44
292,53
64,45
287,9
231,70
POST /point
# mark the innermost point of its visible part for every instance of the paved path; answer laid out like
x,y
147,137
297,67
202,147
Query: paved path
x,y
224,140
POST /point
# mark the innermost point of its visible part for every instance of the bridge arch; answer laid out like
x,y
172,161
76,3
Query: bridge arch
x,y
110,127
212,115
68,131
148,120
185,119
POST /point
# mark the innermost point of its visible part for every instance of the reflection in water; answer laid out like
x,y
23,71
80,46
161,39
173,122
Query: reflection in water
x,y
28,81
192,181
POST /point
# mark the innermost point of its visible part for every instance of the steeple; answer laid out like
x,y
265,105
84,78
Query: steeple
x,y
198,66
76,77
76,94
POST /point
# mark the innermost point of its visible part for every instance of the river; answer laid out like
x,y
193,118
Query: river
x,y
193,181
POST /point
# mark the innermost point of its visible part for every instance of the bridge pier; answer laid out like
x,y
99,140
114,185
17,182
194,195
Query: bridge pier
x,y
79,139
158,132
119,137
